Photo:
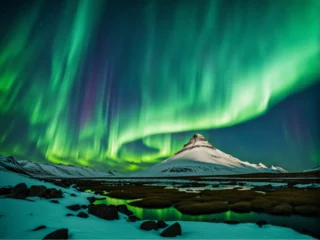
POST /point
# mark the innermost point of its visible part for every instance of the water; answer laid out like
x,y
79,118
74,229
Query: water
x,y
297,222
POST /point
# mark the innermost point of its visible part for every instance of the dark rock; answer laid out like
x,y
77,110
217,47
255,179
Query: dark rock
x,y
54,193
73,195
260,223
5,190
54,201
37,191
39,228
69,214
133,218
84,206
91,199
215,185
149,225
292,184
61,233
124,209
82,215
231,222
162,224
103,211
19,191
74,207
241,184
172,231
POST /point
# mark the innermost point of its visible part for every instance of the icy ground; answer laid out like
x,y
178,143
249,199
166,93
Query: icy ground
x,y
16,220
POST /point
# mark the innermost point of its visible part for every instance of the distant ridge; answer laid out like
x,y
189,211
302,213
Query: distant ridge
x,y
51,170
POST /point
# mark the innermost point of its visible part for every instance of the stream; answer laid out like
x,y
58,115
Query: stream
x,y
297,222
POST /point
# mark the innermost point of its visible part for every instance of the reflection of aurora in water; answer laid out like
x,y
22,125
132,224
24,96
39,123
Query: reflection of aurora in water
x,y
172,214
103,82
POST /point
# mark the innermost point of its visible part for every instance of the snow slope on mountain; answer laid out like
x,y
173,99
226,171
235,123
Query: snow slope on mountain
x,y
199,157
317,168
9,163
52,170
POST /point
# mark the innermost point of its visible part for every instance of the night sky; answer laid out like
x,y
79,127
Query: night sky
x,y
124,84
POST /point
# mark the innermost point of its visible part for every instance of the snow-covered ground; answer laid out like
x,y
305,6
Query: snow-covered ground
x,y
16,221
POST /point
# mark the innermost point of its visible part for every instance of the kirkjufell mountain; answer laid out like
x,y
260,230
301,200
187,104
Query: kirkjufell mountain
x,y
199,157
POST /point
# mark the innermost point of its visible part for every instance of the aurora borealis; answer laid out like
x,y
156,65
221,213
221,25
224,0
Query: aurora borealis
x,y
123,84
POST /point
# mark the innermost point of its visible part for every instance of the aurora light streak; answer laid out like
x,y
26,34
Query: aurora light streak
x,y
113,82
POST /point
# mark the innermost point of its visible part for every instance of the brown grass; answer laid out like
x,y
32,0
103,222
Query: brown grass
x,y
241,207
125,195
262,205
307,210
195,208
282,209
276,202
152,203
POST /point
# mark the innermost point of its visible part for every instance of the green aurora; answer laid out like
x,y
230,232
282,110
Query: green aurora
x,y
84,81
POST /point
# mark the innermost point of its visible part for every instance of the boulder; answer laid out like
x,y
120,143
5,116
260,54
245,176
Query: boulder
x,y
39,228
148,225
20,191
124,209
61,233
172,231
260,223
162,224
37,191
69,214
133,218
54,201
5,190
103,211
73,195
54,193
82,215
74,207
84,206
91,199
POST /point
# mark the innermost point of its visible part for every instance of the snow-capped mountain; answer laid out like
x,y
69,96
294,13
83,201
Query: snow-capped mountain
x,y
199,157
317,168
51,170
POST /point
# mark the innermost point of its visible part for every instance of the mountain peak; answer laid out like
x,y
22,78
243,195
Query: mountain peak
x,y
197,140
